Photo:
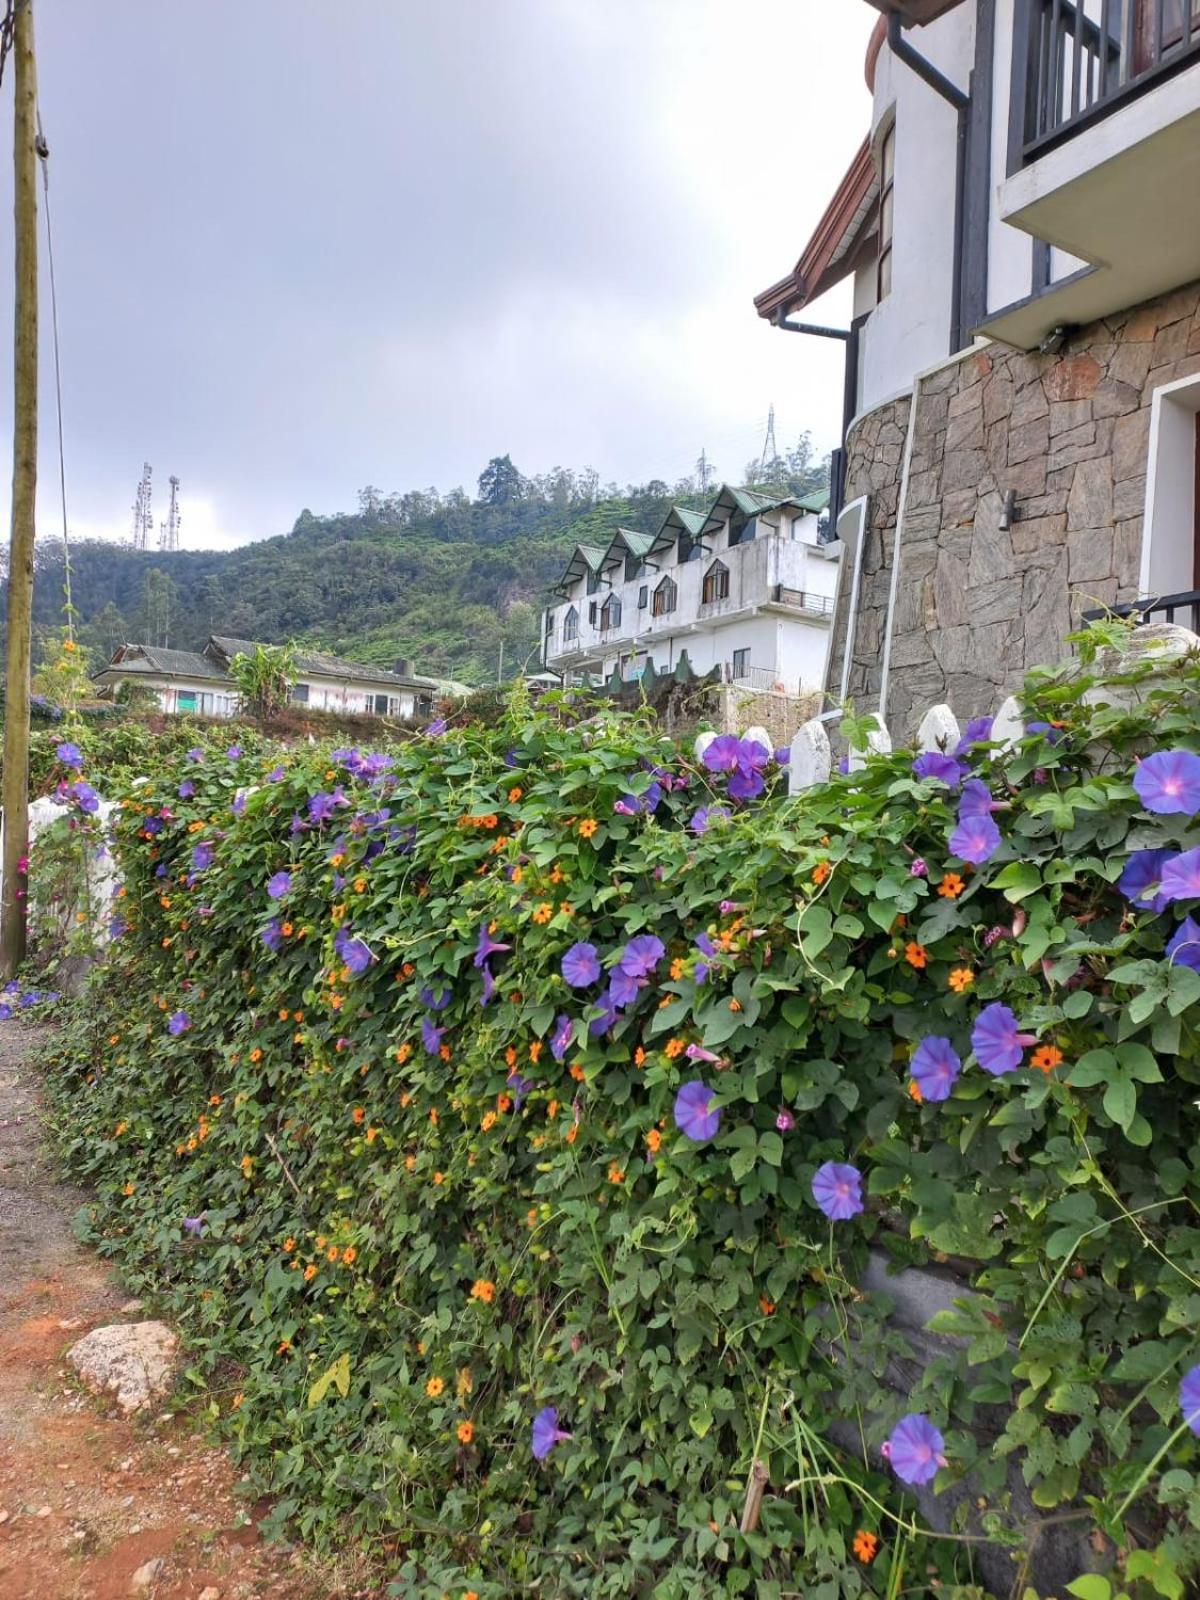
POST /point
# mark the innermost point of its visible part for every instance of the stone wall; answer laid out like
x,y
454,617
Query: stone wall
x,y
780,714
977,606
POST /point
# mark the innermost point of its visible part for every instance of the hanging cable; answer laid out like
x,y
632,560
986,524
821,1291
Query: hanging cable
x,y
43,151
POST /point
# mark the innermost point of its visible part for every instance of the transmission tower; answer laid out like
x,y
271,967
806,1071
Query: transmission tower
x,y
770,449
143,520
168,536
703,471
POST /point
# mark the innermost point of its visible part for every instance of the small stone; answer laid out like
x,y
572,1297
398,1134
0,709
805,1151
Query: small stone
x,y
133,1361
3,1517
42,1511
130,1308
146,1575
209,1594
69,1324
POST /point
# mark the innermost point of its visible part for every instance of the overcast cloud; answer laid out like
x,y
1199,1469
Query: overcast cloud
x,y
302,247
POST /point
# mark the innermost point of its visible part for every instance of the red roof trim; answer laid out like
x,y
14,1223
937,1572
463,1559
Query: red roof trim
x,y
808,277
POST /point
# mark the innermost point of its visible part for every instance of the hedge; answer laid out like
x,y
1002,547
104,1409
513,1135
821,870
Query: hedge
x,y
400,1216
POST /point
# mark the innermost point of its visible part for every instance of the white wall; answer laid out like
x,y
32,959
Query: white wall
x,y
217,701
1168,548
910,328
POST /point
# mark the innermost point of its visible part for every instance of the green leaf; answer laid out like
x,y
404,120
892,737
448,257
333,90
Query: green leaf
x,y
1120,1101
1018,880
337,1376
1090,1587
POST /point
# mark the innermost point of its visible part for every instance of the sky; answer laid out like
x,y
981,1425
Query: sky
x,y
305,247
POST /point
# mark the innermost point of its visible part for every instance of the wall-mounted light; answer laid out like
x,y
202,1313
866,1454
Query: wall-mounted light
x,y
1008,511
1056,338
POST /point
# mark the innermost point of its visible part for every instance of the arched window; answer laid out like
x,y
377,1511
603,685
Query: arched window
x,y
665,596
715,585
610,613
571,624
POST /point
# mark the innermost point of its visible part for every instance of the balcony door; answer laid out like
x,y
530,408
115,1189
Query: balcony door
x,y
1160,26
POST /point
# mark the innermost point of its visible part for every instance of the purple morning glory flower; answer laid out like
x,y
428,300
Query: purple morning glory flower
x,y
1189,1398
272,934
546,1432
1141,880
785,1121
202,856
85,797
6,1012
1168,781
238,804
916,1449
1180,878
519,1085
694,1115
279,885
436,999
708,950
194,1226
705,816
622,989
1048,731
437,727
70,755
976,800
723,753
976,839
935,1066
996,1040
152,825
940,767
178,1022
322,806
187,789
918,867
234,752
843,766
276,774
697,1052
195,753
610,1013
641,955
431,1036
581,965
489,987
560,1039
1184,947
783,755
355,953
837,1189
486,945
977,731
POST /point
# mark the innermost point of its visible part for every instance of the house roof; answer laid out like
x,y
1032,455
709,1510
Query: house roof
x,y
585,558
153,661
750,502
817,501
638,545
680,519
916,13
828,256
320,665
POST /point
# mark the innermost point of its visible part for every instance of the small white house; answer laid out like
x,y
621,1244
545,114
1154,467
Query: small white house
x,y
747,587
198,682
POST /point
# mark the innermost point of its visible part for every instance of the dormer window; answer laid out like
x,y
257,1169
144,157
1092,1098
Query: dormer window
x,y
610,613
665,598
634,567
742,530
593,581
571,624
716,584
689,550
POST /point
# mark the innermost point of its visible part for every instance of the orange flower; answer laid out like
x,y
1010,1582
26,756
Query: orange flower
x,y
128,1189
214,1099
503,1104
676,969
588,827
517,874
1046,1057
247,1165
961,979
489,1121
510,1056
434,1387
466,1432
577,1072
284,1346
674,1047
403,1053
615,1174
483,1289
256,1054
444,1052
573,1134
544,912
289,1244
558,875
310,1272
332,1253
552,1110
820,872
514,794
283,1015
439,1178
866,1546
916,954
535,1050
914,1092
349,1255
531,1216
654,1141
410,1163
767,1307
286,930
372,1135
735,1005
359,1114
639,1057
951,886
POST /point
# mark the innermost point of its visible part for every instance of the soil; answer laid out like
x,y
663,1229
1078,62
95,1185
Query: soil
x,y
87,1498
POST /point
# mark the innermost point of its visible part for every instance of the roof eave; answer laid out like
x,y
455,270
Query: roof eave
x,y
816,271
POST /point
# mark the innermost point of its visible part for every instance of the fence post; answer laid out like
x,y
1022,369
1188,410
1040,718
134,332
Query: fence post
x,y
811,759
939,729
879,743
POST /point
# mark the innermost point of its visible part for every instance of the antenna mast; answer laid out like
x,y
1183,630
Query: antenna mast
x,y
168,538
143,519
770,449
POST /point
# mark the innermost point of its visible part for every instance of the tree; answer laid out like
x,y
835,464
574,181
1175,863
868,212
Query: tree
x,y
266,678
500,483
157,607
370,500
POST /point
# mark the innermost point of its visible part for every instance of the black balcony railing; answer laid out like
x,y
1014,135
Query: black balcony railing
x,y
1183,608
1074,61
802,600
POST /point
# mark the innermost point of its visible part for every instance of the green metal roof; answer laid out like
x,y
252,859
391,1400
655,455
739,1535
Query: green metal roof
x,y
678,520
585,558
817,501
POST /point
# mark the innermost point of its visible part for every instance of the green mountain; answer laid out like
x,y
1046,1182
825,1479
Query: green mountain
x,y
440,580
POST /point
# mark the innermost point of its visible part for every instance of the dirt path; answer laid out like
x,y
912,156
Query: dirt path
x,y
86,1500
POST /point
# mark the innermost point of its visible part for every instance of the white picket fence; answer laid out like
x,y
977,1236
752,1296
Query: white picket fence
x,y
811,757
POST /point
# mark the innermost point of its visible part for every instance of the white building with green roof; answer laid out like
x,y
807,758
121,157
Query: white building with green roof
x,y
747,587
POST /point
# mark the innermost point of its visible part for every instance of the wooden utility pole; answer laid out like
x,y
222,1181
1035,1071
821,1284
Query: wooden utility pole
x,y
14,794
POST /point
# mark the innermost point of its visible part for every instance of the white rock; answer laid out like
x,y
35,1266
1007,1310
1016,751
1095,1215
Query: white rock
x,y
209,1594
146,1575
1008,726
939,730
703,740
129,1309
135,1362
811,759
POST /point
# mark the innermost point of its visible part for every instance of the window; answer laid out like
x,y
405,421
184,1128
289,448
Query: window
x,y
300,693
593,609
643,597
741,664
634,567
570,624
610,613
664,598
716,584
742,530
185,700
593,581
689,550
887,179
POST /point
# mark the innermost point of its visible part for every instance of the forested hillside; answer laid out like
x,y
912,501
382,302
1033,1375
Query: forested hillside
x,y
440,579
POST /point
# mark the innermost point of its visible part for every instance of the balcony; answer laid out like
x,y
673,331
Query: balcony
x,y
1104,143
818,605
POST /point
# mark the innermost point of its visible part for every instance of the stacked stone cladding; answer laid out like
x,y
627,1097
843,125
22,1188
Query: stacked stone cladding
x,y
976,605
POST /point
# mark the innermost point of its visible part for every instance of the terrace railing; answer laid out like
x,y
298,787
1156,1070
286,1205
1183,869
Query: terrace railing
x,y
1183,608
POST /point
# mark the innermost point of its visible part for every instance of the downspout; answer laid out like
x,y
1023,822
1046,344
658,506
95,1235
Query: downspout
x,y
953,95
850,338
894,587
